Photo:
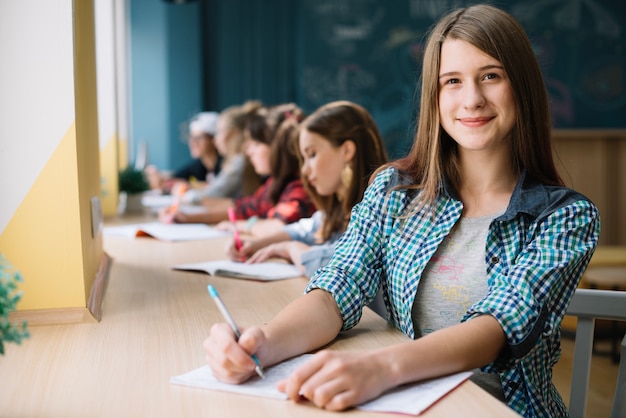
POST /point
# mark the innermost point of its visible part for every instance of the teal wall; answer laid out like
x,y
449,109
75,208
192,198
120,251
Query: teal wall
x,y
166,84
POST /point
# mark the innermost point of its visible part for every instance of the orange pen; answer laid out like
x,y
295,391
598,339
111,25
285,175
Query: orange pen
x,y
176,203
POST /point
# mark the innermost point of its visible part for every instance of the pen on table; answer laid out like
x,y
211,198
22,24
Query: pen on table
x,y
233,325
231,216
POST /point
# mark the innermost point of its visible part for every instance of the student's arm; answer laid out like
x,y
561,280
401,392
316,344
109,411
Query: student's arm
x,y
289,250
337,380
307,323
216,210
265,227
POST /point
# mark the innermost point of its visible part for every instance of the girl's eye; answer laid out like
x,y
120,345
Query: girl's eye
x,y
491,76
452,81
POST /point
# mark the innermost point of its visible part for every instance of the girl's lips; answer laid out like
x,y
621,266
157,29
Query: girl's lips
x,y
479,121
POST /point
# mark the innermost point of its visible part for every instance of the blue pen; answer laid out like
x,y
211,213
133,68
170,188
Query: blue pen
x,y
233,325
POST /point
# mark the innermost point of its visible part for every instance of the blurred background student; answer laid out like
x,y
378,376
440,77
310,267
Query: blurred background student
x,y
282,198
237,176
340,147
206,159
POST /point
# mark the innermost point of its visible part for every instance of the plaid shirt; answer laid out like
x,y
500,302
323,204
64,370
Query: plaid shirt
x,y
536,253
294,203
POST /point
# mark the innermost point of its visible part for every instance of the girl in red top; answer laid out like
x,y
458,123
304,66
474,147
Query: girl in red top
x,y
281,199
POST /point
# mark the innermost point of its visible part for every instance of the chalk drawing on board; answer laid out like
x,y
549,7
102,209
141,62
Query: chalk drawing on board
x,y
348,80
434,9
342,26
602,81
570,15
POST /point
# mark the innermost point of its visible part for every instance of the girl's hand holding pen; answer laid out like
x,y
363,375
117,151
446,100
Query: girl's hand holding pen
x,y
229,359
167,216
241,254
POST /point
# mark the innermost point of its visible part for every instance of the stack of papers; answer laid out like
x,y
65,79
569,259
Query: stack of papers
x,y
166,232
410,399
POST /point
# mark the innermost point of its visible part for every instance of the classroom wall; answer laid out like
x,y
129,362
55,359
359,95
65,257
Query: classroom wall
x,y
315,51
109,137
49,153
166,79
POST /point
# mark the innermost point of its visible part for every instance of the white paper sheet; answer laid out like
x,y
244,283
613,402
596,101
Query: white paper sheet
x,y
167,232
266,271
410,399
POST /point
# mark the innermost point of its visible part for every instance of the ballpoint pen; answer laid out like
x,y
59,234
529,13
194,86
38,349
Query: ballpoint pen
x,y
231,216
233,325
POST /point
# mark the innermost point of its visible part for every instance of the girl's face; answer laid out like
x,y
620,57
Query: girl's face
x,y
222,136
259,155
323,162
476,103
200,144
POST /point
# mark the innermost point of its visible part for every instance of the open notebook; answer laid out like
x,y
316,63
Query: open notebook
x,y
410,399
166,232
267,271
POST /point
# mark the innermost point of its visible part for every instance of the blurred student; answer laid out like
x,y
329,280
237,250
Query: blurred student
x,y
237,176
282,198
206,161
474,240
340,147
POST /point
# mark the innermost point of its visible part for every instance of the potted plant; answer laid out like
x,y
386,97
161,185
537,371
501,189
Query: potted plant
x,y
132,184
9,296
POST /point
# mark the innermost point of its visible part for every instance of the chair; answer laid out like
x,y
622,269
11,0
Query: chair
x,y
589,305
609,278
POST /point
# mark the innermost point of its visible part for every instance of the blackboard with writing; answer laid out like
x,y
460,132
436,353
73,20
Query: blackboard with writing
x,y
369,51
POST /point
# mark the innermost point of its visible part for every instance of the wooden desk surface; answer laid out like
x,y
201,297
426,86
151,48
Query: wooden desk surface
x,y
152,328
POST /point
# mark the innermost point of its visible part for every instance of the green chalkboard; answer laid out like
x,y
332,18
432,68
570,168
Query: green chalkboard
x,y
369,51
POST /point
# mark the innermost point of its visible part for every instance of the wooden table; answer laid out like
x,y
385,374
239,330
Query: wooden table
x,y
152,328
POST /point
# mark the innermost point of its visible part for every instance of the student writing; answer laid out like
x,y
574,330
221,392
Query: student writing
x,y
475,222
237,176
206,161
281,199
340,147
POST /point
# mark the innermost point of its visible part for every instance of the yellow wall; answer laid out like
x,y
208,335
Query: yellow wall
x,y
87,142
42,240
46,232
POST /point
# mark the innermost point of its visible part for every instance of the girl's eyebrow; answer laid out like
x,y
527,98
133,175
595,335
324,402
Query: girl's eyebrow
x,y
483,68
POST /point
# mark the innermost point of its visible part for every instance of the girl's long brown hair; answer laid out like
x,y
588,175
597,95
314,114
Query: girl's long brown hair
x,y
339,122
278,127
433,155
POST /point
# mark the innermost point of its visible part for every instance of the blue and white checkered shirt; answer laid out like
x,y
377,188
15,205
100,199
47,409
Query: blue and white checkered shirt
x,y
536,253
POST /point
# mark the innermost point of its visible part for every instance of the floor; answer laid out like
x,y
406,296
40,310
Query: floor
x,y
601,383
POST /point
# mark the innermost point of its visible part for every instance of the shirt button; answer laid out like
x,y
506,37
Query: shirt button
x,y
495,259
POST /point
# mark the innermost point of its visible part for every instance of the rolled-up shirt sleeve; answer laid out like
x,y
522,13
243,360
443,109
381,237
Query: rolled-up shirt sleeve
x,y
532,289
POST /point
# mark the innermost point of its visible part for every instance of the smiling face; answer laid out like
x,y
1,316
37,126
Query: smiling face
x,y
476,104
323,162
